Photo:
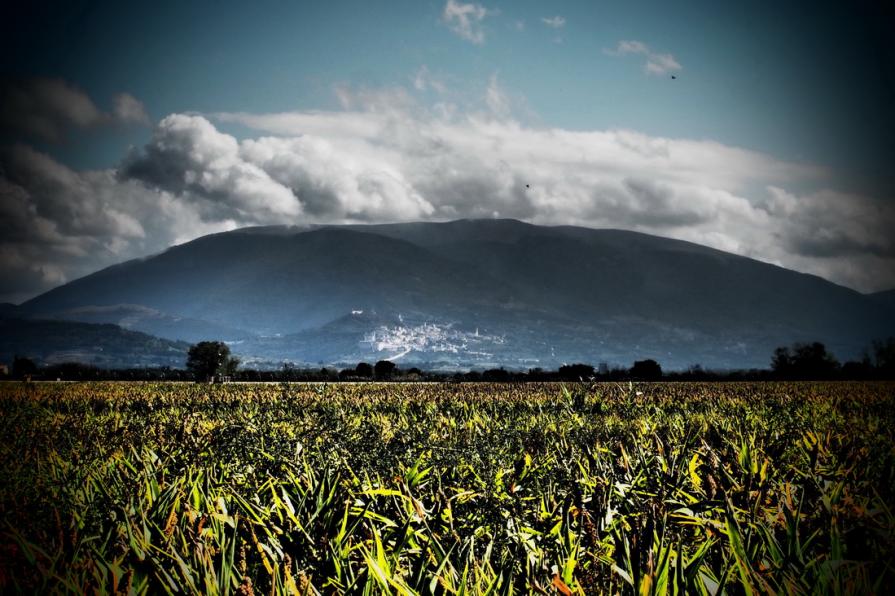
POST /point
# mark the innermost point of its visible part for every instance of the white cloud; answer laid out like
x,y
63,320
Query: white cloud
x,y
485,163
390,158
423,80
49,108
556,22
187,155
466,20
496,98
656,63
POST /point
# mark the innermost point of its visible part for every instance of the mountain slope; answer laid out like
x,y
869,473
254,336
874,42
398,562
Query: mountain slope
x,y
886,297
477,293
266,283
106,346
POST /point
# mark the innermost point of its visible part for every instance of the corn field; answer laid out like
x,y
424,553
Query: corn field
x,y
447,488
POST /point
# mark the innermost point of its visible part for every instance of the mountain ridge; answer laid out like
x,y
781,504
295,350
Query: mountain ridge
x,y
543,295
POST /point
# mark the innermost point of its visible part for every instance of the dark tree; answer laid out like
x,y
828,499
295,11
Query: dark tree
x,y
781,362
496,375
804,361
363,369
884,355
384,369
23,367
646,370
857,370
576,372
209,359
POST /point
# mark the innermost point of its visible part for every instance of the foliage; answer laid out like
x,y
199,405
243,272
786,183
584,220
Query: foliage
x,y
384,369
23,367
808,361
884,354
447,489
208,359
576,372
646,370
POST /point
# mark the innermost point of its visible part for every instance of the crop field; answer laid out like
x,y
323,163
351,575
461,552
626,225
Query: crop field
x,y
447,488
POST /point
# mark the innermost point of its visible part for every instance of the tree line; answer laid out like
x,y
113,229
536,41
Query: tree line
x,y
212,361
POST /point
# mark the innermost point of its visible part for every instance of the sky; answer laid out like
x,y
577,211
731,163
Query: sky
x,y
764,129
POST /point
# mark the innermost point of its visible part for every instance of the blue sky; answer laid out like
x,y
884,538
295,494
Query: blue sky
x,y
778,110
793,80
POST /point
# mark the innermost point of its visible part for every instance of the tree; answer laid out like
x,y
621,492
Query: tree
x,y
496,375
209,359
781,361
576,372
884,355
23,367
384,369
810,361
646,370
363,369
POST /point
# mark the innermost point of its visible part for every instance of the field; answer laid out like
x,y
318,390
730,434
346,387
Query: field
x,y
447,489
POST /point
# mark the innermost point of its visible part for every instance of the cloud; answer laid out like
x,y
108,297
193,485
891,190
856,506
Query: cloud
x,y
496,98
656,64
423,80
129,110
59,224
466,20
484,163
49,108
388,157
829,224
188,156
556,22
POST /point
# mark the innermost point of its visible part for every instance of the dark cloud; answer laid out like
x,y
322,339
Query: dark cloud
x,y
48,109
830,225
57,224
657,205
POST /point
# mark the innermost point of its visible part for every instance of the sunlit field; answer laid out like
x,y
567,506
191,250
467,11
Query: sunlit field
x,y
447,488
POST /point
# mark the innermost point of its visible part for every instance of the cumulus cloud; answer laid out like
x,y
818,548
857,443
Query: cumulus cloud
x,y
49,108
387,157
656,63
556,22
189,157
466,20
486,164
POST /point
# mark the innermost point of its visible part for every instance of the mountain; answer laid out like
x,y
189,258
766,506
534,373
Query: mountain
x,y
8,310
886,297
106,346
136,317
471,293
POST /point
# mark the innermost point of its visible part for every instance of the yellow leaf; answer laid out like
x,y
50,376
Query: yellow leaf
x,y
695,462
645,585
